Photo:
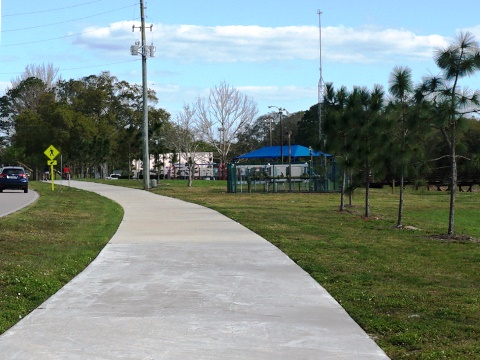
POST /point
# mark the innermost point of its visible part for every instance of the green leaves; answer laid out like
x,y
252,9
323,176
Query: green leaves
x,y
92,120
461,58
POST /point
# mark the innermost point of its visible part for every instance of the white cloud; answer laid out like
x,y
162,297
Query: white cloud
x,y
166,88
192,43
116,37
369,45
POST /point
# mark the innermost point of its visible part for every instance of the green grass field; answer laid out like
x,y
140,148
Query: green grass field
x,y
45,245
416,294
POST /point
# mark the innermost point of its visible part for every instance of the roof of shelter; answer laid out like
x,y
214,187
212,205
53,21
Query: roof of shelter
x,y
273,152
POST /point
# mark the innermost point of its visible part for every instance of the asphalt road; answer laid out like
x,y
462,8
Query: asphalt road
x,y
14,200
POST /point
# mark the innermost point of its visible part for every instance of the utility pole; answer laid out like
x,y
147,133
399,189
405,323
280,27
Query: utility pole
x,y
145,51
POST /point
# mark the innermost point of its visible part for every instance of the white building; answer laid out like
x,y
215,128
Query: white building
x,y
204,166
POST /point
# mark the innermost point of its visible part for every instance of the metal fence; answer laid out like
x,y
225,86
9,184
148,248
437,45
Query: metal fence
x,y
323,175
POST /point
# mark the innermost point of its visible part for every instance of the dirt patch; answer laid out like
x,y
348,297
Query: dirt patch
x,y
455,238
406,227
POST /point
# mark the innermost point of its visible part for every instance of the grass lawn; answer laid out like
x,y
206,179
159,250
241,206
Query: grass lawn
x,y
417,295
45,245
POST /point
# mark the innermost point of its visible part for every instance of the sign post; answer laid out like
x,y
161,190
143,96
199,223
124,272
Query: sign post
x,y
51,152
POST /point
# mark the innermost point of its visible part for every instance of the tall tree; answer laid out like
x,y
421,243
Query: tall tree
x,y
451,102
255,135
290,123
184,137
47,73
25,96
367,136
20,119
25,91
223,115
307,133
336,126
401,88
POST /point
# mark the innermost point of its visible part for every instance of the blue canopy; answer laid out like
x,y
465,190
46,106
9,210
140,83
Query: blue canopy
x,y
273,152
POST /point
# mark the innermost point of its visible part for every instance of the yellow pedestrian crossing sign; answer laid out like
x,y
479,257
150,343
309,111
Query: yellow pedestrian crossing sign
x,y
51,152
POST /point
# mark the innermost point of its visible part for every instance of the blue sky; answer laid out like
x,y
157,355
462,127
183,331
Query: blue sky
x,y
268,49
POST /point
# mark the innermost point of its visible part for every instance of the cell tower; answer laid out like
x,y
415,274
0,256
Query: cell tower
x,y
320,83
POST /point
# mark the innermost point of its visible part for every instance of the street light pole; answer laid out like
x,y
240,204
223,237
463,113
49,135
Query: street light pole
x,y
281,133
280,115
310,170
270,123
290,161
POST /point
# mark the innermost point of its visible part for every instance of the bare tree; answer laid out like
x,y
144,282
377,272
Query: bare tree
x,y
25,92
183,136
47,73
223,115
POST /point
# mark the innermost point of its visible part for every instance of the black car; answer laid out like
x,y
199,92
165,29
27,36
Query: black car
x,y
13,177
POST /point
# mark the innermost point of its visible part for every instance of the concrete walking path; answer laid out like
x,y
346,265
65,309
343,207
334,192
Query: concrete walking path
x,y
180,281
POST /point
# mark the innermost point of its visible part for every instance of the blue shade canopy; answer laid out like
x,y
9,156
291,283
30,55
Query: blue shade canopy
x,y
273,152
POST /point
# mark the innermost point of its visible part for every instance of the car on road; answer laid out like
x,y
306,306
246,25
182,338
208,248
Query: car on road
x,y
113,177
14,178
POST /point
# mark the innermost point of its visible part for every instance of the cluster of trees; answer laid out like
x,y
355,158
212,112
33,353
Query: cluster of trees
x,y
409,131
96,123
418,127
93,121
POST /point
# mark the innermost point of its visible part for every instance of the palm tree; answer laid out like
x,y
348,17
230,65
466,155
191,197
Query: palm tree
x,y
460,59
401,88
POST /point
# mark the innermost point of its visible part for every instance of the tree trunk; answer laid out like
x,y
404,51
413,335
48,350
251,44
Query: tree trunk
x,y
342,191
400,202
453,182
367,189
350,193
191,174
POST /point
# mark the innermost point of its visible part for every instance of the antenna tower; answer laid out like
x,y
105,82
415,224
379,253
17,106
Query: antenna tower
x,y
320,82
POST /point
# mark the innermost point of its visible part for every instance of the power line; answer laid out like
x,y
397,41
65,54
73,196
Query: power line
x,y
50,10
51,39
45,40
95,66
80,68
67,21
